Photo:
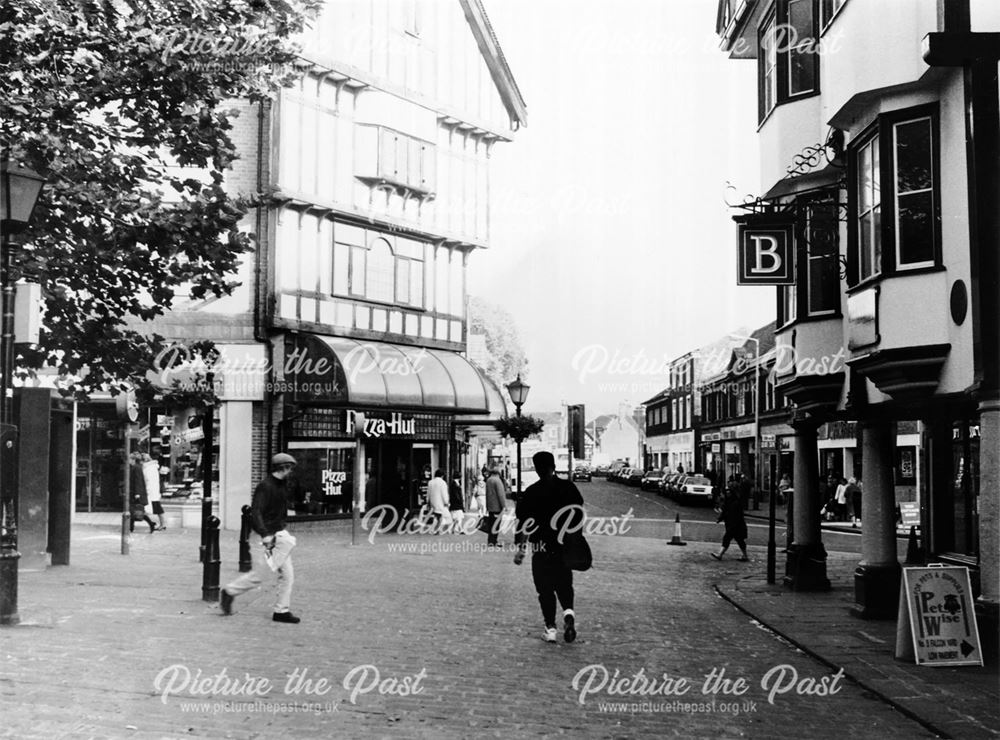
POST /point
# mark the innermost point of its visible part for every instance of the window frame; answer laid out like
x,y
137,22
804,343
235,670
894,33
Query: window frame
x,y
883,130
833,7
776,18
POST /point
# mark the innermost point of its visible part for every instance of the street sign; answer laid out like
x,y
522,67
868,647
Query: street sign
x,y
936,623
910,511
766,255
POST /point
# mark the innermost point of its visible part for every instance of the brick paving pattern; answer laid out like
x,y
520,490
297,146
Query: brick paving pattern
x,y
96,635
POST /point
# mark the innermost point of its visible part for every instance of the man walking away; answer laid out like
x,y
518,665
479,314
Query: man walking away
x,y
269,508
496,493
137,483
736,525
550,498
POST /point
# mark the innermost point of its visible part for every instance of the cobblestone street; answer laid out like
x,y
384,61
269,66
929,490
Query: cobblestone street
x,y
123,646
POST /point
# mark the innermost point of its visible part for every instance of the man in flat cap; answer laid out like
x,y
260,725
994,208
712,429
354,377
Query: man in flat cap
x,y
269,509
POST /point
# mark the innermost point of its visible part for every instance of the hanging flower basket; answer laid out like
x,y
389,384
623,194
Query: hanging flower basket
x,y
519,428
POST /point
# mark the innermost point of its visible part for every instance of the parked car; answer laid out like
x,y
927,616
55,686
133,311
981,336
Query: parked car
x,y
695,488
635,477
601,471
669,484
615,469
651,480
622,475
582,472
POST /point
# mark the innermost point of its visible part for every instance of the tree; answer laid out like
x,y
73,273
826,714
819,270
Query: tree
x,y
506,355
110,99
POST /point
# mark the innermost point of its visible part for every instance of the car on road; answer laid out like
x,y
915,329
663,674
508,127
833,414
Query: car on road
x,y
651,480
582,472
668,486
695,488
635,477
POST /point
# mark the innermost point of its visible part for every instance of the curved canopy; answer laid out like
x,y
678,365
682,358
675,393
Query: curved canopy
x,y
396,376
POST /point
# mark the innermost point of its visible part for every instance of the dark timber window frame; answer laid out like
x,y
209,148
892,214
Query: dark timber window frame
x,y
882,137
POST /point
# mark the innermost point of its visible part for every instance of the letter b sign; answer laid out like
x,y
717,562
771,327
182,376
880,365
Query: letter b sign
x,y
766,256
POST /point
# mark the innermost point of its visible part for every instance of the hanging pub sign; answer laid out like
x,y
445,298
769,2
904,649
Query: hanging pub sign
x,y
766,254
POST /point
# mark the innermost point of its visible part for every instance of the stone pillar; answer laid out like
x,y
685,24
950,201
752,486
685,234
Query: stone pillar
x,y
806,566
988,603
31,414
876,579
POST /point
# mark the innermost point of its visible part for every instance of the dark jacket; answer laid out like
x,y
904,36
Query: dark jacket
x,y
137,486
496,494
732,515
269,506
455,497
540,503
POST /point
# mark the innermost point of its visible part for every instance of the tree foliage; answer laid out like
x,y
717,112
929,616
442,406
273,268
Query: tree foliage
x,y
506,355
111,100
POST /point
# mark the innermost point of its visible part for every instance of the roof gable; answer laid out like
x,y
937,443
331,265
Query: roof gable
x,y
489,47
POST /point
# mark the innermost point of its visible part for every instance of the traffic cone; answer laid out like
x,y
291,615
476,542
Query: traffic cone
x,y
677,533
913,554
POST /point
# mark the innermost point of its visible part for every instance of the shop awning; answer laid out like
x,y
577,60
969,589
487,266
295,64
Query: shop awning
x,y
377,374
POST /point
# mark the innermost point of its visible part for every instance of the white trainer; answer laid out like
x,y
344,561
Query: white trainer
x,y
549,635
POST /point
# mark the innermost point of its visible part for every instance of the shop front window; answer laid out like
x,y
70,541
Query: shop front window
x,y
323,482
99,459
177,442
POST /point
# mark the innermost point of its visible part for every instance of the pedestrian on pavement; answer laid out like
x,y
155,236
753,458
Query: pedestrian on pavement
x,y
151,477
736,525
480,494
495,500
437,499
746,489
544,505
783,488
137,485
840,501
853,494
456,500
269,508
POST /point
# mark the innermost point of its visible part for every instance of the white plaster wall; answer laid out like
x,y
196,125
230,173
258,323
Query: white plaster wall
x,y
235,458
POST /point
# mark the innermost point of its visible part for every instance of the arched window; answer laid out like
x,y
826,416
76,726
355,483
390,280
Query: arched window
x,y
381,272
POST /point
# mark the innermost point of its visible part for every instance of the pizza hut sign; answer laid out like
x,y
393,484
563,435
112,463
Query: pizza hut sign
x,y
397,425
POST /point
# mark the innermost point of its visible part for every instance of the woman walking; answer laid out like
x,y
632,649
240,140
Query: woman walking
x,y
736,526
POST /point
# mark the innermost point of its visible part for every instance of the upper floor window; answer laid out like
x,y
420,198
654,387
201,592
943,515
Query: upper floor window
x,y
787,58
829,9
895,209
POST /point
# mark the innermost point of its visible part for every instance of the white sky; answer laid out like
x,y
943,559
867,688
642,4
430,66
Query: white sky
x,y
609,225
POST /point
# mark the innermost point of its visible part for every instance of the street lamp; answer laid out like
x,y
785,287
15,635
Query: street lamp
x,y
19,191
518,391
771,548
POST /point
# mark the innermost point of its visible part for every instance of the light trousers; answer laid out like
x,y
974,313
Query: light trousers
x,y
280,556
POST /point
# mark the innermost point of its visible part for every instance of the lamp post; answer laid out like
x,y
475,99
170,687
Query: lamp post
x,y
19,191
518,391
771,547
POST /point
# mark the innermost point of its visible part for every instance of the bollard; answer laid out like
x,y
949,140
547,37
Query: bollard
x,y
126,535
246,560
210,571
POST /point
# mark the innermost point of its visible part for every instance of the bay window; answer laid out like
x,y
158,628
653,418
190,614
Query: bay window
x,y
787,54
895,184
